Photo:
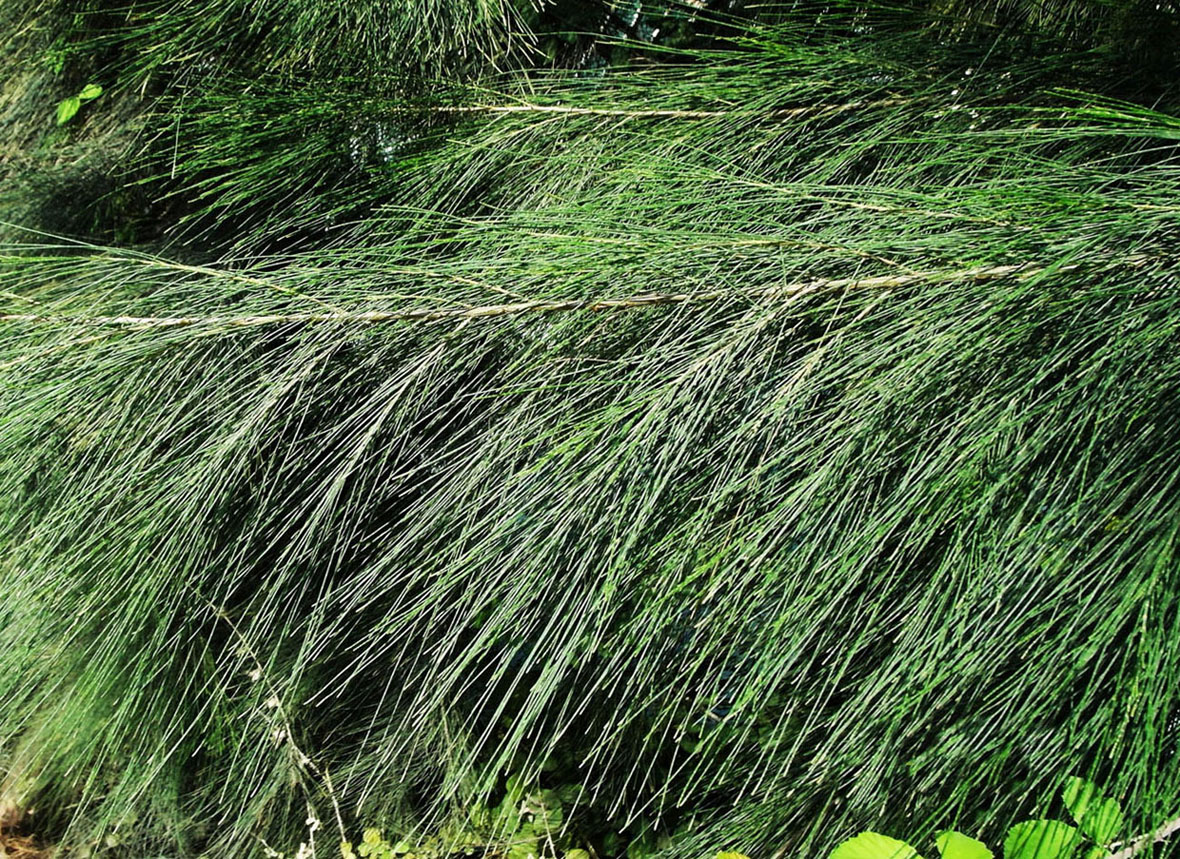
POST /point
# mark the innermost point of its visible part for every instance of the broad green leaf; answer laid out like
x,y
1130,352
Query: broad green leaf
x,y
1096,853
1041,839
639,848
1103,820
524,843
873,845
956,845
548,817
67,108
90,91
1077,795
514,789
479,815
577,854
570,793
731,854
1098,816
507,818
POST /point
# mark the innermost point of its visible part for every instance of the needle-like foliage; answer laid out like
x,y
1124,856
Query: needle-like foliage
x,y
778,433
142,41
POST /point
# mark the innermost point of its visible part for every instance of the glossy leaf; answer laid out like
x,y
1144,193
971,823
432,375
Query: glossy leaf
x,y
1098,816
956,845
1041,839
67,108
873,845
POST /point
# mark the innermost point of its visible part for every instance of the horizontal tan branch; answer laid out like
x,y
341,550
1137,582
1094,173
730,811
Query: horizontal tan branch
x,y
656,113
599,305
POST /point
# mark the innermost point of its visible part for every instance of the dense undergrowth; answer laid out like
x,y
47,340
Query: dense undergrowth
x,y
621,428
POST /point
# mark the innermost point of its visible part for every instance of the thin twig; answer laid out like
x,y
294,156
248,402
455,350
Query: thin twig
x,y
234,276
287,732
1127,849
656,113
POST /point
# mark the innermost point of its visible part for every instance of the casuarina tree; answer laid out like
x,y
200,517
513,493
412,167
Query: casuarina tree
x,y
633,428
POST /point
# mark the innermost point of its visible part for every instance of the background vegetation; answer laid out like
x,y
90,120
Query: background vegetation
x,y
626,427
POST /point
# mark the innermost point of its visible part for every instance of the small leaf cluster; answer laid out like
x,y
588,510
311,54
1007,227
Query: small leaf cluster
x,y
529,821
1098,820
530,816
526,823
70,106
374,846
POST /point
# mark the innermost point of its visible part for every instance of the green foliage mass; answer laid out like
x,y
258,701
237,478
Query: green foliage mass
x,y
717,427
1099,819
